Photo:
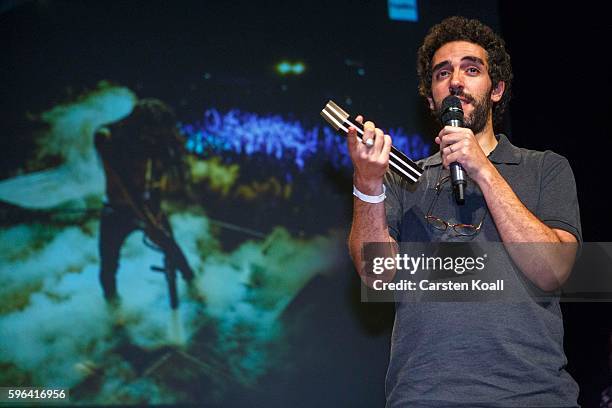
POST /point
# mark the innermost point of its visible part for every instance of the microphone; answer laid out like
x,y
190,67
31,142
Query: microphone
x,y
452,115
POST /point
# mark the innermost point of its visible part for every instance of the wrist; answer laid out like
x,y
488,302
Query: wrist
x,y
485,176
370,187
371,199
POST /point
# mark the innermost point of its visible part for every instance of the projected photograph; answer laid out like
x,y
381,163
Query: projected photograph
x,y
172,204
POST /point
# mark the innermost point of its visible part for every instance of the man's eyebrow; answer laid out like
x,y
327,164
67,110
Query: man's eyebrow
x,y
440,65
473,59
467,57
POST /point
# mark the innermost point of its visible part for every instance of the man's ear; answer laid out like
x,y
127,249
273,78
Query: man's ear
x,y
431,104
498,91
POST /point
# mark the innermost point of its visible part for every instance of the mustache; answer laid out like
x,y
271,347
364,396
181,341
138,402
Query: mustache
x,y
461,94
437,112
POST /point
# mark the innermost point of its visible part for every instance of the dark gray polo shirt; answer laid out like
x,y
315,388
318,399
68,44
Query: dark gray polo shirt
x,y
473,354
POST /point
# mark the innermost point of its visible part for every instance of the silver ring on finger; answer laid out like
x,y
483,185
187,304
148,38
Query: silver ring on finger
x,y
369,142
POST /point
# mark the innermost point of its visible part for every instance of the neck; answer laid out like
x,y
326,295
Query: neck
x,y
486,138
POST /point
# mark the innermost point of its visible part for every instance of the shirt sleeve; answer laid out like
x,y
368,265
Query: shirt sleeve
x,y
558,201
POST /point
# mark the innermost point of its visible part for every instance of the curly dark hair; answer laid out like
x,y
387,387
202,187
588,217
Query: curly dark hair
x,y
151,129
462,29
153,112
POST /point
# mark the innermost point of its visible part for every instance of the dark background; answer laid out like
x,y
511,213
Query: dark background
x,y
53,50
560,102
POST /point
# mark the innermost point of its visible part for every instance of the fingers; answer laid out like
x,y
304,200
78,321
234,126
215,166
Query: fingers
x,y
369,132
369,162
450,139
366,138
453,134
386,149
373,138
352,140
460,146
452,158
451,129
454,151
379,141
357,149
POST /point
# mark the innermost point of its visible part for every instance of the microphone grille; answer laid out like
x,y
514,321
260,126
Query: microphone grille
x,y
451,109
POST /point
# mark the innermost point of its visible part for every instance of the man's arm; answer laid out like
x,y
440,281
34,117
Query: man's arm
x,y
548,263
106,147
369,220
370,225
102,141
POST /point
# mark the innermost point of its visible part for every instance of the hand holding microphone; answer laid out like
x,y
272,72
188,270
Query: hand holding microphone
x,y
461,152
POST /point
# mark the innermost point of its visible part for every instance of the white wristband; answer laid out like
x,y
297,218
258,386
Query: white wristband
x,y
369,198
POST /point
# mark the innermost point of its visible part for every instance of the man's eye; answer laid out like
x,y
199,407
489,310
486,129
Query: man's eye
x,y
473,70
442,74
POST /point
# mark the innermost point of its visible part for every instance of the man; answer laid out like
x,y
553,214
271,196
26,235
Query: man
x,y
137,153
468,353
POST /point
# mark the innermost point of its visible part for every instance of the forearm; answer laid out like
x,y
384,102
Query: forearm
x,y
513,220
370,225
370,162
547,263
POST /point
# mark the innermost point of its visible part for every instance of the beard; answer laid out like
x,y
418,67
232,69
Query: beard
x,y
477,121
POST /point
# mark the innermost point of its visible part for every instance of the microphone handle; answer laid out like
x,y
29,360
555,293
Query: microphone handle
x,y
457,173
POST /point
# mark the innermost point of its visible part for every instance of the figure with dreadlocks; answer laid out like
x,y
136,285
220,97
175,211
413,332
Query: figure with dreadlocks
x,y
138,152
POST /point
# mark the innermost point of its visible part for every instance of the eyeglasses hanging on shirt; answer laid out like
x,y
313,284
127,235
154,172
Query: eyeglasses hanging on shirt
x,y
465,230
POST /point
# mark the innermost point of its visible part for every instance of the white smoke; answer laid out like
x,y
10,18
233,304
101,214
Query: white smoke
x,y
55,327
65,331
70,137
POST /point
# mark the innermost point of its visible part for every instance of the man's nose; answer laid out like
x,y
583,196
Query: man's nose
x,y
456,89
456,83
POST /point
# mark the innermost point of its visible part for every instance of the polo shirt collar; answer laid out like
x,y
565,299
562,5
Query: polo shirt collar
x,y
504,153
